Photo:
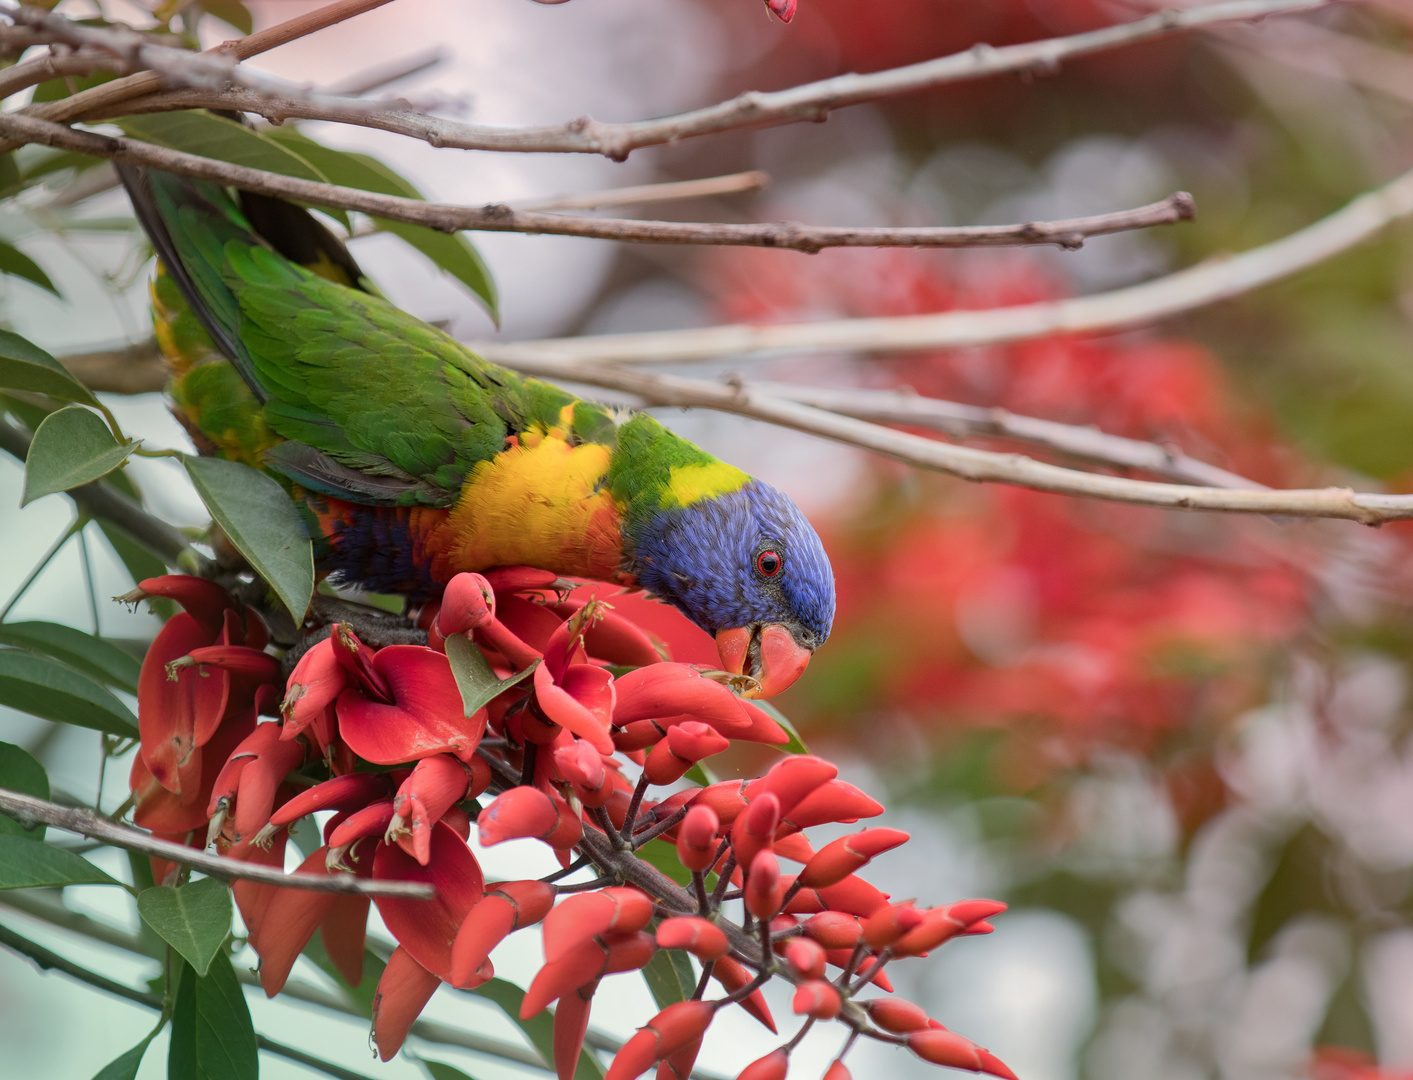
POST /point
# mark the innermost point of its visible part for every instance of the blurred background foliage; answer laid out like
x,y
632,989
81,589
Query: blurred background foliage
x,y
1177,744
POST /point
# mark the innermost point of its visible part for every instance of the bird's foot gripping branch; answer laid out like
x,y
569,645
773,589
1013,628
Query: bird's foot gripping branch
x,y
531,715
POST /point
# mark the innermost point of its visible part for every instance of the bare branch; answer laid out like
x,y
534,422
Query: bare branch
x,y
968,463
95,826
137,369
375,78
974,421
498,218
753,109
1217,278
649,193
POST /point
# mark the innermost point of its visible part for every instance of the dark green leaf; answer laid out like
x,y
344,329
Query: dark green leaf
x,y
231,12
441,1071
475,678
260,520
81,651
15,262
212,136
9,175
539,1029
212,1036
51,690
25,366
58,89
19,771
72,447
361,995
140,562
663,855
453,253
796,745
669,977
25,864
194,918
124,1066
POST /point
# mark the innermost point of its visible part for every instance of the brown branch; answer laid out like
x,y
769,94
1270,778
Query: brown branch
x,y
908,408
497,218
753,109
1218,278
136,369
28,809
649,193
968,463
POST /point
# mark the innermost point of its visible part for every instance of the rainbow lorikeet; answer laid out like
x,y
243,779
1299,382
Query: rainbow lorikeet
x,y
413,460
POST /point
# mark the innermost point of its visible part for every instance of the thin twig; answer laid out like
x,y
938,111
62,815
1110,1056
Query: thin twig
x,y
730,184
1215,279
969,463
52,961
753,109
27,808
328,1068
500,218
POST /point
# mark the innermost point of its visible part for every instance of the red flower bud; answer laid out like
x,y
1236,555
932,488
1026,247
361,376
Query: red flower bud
x,y
725,799
437,783
764,889
763,728
838,860
704,940
582,766
672,689
817,999
837,801
774,1066
316,681
896,1015
889,923
678,1064
611,637
948,1048
251,777
204,600
792,779
697,839
793,847
571,1024
254,665
754,830
341,793
806,957
585,915
513,579
372,820
468,604
403,992
586,962
507,907
685,745
676,1026
834,930
733,975
837,1071
518,812
853,895
944,923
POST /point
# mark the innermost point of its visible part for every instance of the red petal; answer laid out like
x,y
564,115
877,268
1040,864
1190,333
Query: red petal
x,y
290,918
561,707
170,713
773,1066
517,813
316,681
426,719
344,932
571,1023
403,992
204,600
427,928
669,689
587,915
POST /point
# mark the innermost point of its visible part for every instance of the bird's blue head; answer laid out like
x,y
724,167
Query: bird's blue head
x,y
748,568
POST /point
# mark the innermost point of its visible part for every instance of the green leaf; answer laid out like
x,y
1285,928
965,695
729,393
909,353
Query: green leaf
x,y
538,1029
475,678
212,1036
124,1066
231,12
53,691
25,366
260,520
58,89
19,771
453,253
15,262
441,1071
194,919
72,447
208,135
26,864
796,745
81,651
140,562
669,977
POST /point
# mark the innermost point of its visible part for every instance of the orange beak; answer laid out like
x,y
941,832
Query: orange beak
x,y
782,660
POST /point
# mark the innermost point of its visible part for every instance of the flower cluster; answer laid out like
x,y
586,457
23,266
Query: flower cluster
x,y
527,715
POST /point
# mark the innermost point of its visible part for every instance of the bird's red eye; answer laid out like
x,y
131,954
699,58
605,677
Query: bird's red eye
x,y
768,563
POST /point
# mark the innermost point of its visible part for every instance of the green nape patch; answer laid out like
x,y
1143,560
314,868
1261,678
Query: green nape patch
x,y
653,469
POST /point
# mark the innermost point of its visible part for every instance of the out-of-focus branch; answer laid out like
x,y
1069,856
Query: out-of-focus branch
x,y
969,463
137,369
100,500
27,808
381,75
495,218
1219,278
649,193
974,421
811,101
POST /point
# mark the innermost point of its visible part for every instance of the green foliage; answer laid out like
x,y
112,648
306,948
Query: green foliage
x,y
125,1065
475,678
58,89
72,447
260,520
53,691
194,918
19,771
538,1029
212,1036
212,136
16,263
28,864
441,1071
25,366
231,12
796,745
81,651
669,977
